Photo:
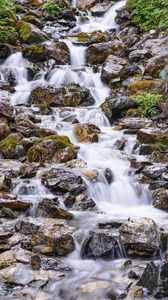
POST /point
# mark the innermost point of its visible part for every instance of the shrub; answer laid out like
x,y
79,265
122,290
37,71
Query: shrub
x,y
147,103
149,14
52,8
7,15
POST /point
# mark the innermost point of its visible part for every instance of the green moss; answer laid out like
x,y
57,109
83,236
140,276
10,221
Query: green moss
x,y
83,37
149,14
10,141
24,30
60,142
7,20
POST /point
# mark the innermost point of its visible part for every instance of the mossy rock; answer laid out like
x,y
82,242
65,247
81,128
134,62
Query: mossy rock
x,y
11,147
90,38
87,133
152,136
33,20
35,53
29,33
52,149
149,86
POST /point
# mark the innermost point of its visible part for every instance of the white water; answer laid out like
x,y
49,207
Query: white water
x,y
104,23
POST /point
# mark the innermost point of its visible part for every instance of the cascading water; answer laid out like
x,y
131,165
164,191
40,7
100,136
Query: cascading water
x,y
121,199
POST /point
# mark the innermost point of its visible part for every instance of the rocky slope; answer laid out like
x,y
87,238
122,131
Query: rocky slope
x,y
83,154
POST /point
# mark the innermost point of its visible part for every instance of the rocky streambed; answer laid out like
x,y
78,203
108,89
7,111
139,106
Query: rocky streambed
x,y
83,164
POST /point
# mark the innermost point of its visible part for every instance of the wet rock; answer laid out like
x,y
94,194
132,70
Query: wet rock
x,y
160,198
135,123
71,95
11,201
164,73
87,133
112,68
35,53
154,171
11,147
158,183
152,136
120,144
7,213
29,33
59,51
47,263
85,4
90,174
100,8
47,208
150,86
109,175
113,108
5,51
150,277
155,65
130,70
76,163
164,277
28,170
5,182
53,240
6,110
25,123
137,55
62,181
98,53
6,259
136,292
26,226
4,130
52,149
82,202
140,237
101,244
122,15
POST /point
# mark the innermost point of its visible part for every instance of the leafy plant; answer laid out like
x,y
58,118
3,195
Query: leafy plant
x,y
7,16
149,14
147,103
52,8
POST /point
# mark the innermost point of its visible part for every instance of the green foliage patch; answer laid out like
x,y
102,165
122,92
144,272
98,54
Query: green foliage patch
x,y
149,14
147,103
7,17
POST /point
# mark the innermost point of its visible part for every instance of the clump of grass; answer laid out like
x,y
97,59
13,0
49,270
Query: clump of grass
x,y
147,103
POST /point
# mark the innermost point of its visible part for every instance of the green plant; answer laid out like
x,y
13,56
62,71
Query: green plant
x,y
147,103
52,8
7,16
149,14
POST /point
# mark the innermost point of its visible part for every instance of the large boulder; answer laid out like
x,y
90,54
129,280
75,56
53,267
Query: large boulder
x,y
61,182
149,86
52,149
140,237
98,53
160,198
150,277
112,68
86,133
115,107
152,136
5,109
101,244
59,51
66,95
10,201
155,65
5,50
11,147
29,33
48,208
35,53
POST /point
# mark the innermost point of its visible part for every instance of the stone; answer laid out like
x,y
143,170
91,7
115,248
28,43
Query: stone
x,y
86,133
85,4
152,136
35,53
90,174
7,213
112,68
6,110
59,51
149,86
164,277
100,244
154,171
137,55
155,65
11,147
52,149
114,107
47,208
29,33
5,50
11,201
150,277
5,182
52,240
6,259
82,202
4,130
98,53
70,95
160,198
140,237
62,181
28,170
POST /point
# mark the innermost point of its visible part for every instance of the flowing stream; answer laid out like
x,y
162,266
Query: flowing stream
x,y
124,197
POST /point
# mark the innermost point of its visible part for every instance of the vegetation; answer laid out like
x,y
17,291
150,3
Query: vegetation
x,y
7,16
52,8
149,14
147,103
